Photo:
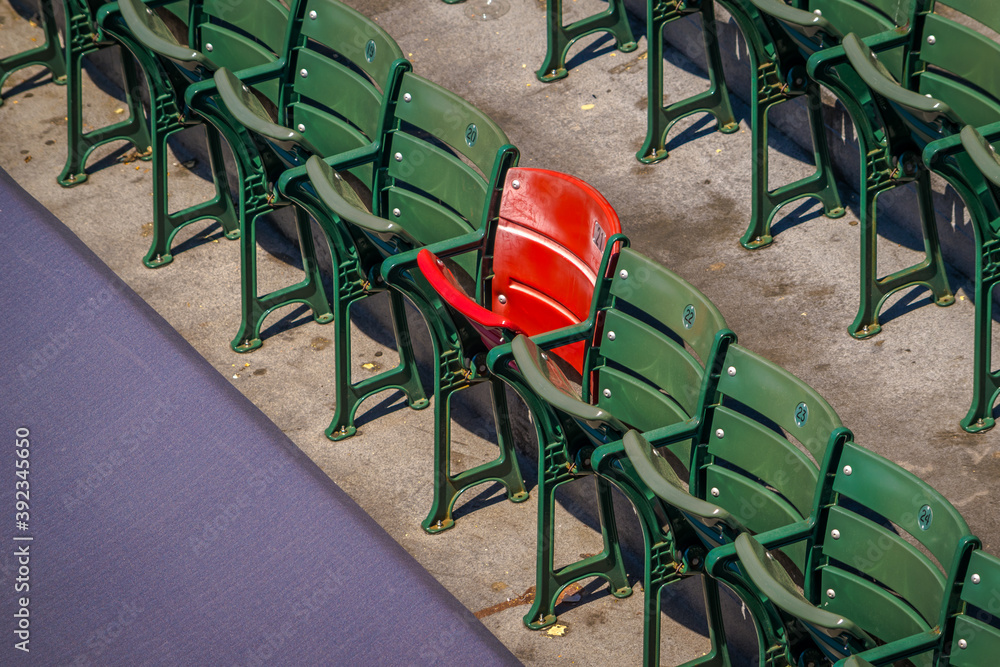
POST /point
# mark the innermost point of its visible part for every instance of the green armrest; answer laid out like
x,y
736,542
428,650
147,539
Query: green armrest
x,y
823,60
809,22
196,93
721,556
982,153
541,378
877,77
775,584
249,112
337,195
150,30
394,267
890,653
853,661
500,356
661,479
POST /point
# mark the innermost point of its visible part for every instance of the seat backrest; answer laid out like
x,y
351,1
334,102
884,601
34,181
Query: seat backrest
x,y
442,165
956,63
547,252
766,435
886,546
974,632
339,64
870,17
653,336
235,34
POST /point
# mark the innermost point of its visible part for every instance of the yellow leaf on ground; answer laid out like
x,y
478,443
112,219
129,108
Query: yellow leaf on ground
x,y
587,107
556,630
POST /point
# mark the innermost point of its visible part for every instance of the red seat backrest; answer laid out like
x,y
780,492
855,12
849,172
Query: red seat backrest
x,y
547,252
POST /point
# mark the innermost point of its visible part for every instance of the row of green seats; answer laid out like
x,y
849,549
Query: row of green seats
x,y
912,75
322,113
629,371
742,474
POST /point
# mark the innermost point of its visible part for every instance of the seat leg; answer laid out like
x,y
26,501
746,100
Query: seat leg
x,y
404,376
309,291
134,129
659,118
553,471
504,469
613,20
821,184
983,202
81,144
220,207
985,381
49,55
878,177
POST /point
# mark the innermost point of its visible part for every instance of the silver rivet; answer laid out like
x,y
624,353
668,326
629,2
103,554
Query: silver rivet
x,y
312,15
516,184
148,10
502,299
928,95
607,393
209,47
835,534
611,335
396,212
715,491
732,371
976,579
848,470
399,157
245,89
817,12
407,97
963,644
719,433
931,39
623,273
301,127
303,72
830,593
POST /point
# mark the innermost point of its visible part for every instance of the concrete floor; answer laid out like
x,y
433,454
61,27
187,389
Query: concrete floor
x,y
902,393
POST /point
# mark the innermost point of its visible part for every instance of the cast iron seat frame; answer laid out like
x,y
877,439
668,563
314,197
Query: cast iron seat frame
x,y
215,39
49,55
651,395
83,37
777,65
939,89
327,105
444,200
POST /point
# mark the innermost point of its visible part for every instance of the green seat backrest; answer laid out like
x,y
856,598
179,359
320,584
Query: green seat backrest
x,y
237,34
339,62
869,17
749,467
441,165
865,568
642,367
862,17
976,626
957,64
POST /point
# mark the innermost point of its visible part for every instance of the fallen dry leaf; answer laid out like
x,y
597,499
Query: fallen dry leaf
x,y
556,630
